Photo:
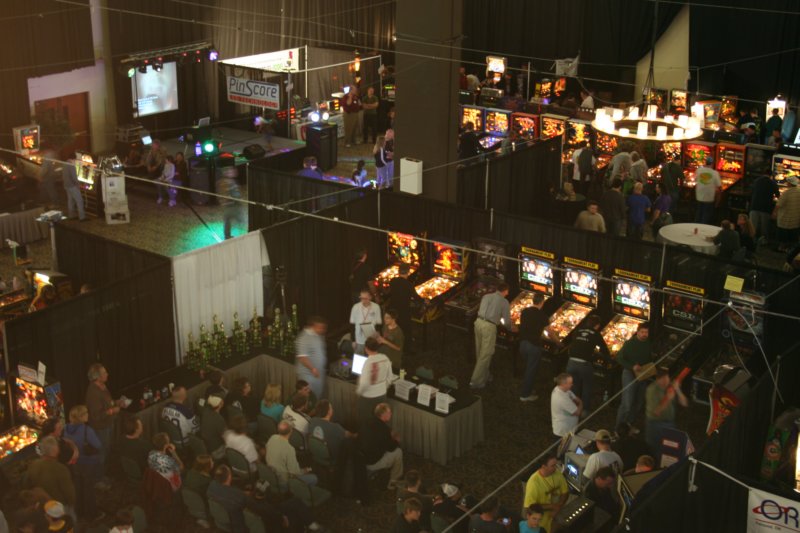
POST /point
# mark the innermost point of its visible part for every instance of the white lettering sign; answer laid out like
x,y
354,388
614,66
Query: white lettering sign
x,y
253,92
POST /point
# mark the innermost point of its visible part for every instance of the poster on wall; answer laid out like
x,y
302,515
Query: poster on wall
x,y
768,512
254,92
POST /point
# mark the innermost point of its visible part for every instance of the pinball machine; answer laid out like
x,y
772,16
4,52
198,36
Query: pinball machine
x,y
535,276
727,110
605,146
784,167
631,303
13,303
27,142
400,248
757,160
711,111
579,289
682,316
525,126
496,126
678,101
489,268
695,154
577,131
730,163
448,266
473,114
660,99
89,176
553,126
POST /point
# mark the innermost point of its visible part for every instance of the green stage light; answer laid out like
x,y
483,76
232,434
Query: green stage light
x,y
209,147
131,72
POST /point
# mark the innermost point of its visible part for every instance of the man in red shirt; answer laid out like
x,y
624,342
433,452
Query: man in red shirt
x,y
351,108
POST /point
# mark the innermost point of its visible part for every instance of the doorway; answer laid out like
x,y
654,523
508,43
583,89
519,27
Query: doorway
x,y
65,122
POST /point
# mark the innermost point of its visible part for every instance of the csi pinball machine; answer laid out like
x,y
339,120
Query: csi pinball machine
x,y
535,276
89,183
682,318
401,248
784,167
497,124
525,126
489,267
631,305
448,265
579,290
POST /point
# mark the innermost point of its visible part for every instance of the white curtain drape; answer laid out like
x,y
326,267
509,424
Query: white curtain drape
x,y
218,280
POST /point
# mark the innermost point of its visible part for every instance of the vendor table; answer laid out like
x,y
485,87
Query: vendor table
x,y
684,234
22,227
423,432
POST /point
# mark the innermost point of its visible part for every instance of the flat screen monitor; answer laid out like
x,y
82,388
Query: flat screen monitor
x,y
155,91
147,140
205,121
358,363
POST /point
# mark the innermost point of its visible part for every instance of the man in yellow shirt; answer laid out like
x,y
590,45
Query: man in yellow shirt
x,y
548,488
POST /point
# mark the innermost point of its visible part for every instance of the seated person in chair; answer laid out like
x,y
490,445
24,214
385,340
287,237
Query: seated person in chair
x,y
409,521
295,414
212,426
181,415
131,444
236,439
164,460
290,515
322,428
413,489
282,457
380,445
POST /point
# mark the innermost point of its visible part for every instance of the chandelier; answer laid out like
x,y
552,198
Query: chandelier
x,y
628,123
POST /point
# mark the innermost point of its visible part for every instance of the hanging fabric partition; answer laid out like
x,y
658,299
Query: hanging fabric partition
x,y
218,280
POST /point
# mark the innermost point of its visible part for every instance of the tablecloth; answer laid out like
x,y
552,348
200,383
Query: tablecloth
x,y
22,227
684,234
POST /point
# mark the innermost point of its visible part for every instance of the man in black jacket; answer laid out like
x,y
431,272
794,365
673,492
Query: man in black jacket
x,y
380,445
587,339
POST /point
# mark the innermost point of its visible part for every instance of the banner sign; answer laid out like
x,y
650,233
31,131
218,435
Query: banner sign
x,y
767,512
280,61
254,92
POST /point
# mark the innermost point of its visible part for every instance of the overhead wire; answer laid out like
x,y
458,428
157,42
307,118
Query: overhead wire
x,y
273,207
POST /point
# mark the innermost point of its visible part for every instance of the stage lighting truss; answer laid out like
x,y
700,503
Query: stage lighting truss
x,y
190,53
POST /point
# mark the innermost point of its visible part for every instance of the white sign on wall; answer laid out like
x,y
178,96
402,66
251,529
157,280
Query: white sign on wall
x,y
254,92
280,61
768,512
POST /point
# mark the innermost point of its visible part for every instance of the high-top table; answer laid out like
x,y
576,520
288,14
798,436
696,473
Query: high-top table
x,y
696,236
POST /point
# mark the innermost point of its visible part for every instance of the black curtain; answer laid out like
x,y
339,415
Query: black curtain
x,y
275,187
128,326
39,37
610,32
719,504
318,257
89,258
757,79
439,220
519,182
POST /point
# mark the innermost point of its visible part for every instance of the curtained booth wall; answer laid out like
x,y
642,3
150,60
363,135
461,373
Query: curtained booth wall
x,y
127,325
218,280
518,183
269,185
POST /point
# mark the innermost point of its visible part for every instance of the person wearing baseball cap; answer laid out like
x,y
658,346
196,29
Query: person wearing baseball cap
x,y
57,518
788,215
604,456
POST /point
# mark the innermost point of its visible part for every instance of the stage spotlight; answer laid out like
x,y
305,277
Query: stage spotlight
x,y
314,116
131,72
143,69
213,55
325,115
209,147
158,64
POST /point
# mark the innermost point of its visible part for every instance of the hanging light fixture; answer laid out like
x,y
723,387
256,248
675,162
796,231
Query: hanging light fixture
x,y
632,125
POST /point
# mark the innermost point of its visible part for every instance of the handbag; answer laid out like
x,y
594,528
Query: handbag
x,y
88,449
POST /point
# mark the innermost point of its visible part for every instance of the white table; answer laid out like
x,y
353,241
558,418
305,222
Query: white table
x,y
696,236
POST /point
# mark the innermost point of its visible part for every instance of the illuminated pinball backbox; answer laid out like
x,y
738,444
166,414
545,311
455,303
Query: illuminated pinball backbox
x,y
730,159
34,404
606,144
678,100
671,151
553,126
525,126
497,122
448,260
474,115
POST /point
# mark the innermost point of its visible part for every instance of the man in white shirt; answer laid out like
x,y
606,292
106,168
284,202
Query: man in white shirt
x,y
236,439
565,407
604,456
581,178
587,100
707,183
374,381
295,414
365,316
311,360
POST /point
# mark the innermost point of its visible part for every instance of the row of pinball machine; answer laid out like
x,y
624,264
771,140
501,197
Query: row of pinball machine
x,y
451,280
732,160
27,398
